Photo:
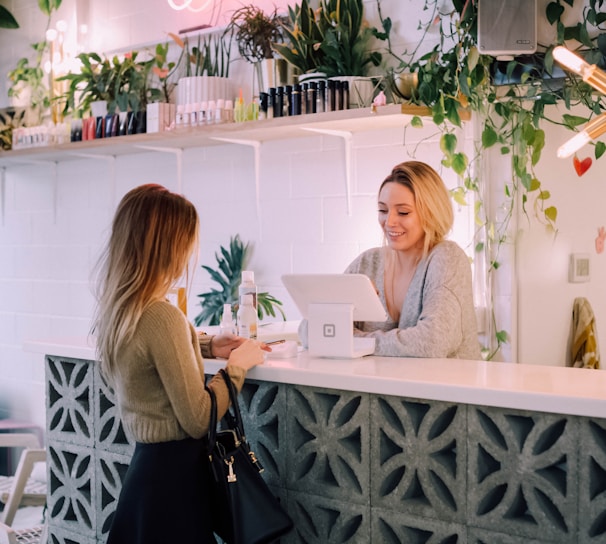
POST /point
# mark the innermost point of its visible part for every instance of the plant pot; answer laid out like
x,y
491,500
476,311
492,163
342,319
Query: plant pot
x,y
361,90
98,108
405,84
313,76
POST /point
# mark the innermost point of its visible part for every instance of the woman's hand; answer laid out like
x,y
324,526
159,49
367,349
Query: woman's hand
x,y
222,345
248,354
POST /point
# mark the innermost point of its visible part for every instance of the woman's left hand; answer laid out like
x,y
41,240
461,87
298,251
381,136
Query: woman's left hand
x,y
223,344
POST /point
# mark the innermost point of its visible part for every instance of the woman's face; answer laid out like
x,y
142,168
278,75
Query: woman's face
x,y
399,219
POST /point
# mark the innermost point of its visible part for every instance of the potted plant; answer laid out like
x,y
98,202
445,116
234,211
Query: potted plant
x,y
303,38
205,68
334,40
228,275
107,87
255,32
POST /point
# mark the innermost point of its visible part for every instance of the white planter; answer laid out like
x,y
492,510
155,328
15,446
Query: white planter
x,y
361,90
98,108
197,89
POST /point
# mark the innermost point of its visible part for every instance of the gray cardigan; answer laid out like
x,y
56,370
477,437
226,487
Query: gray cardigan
x,y
438,318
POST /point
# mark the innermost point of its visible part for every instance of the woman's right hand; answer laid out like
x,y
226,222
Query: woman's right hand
x,y
249,354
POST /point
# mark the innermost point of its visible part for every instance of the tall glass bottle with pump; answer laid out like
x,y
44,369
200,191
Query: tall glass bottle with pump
x,y
247,318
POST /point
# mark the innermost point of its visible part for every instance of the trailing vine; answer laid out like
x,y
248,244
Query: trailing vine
x,y
453,77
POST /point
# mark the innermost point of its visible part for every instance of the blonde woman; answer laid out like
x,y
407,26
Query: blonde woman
x,y
152,357
423,280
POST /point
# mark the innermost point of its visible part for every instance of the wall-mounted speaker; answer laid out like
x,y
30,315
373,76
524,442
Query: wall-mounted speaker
x,y
507,27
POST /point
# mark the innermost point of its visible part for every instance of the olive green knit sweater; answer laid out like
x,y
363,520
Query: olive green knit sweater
x,y
160,378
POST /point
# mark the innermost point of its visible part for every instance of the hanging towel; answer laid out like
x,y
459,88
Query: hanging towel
x,y
585,352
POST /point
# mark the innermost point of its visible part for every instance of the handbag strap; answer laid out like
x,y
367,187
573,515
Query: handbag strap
x,y
234,419
212,425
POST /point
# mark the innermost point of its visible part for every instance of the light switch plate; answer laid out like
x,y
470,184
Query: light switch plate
x,y
578,270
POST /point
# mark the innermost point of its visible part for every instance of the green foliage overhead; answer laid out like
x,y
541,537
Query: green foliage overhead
x,y
453,77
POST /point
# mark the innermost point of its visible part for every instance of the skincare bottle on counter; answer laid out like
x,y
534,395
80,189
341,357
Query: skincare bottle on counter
x,y
227,325
248,286
247,318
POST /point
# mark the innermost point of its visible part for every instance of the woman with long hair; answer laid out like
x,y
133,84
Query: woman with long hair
x,y
152,357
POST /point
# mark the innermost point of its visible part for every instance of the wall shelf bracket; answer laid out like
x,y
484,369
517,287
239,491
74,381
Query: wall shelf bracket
x,y
256,145
347,137
2,193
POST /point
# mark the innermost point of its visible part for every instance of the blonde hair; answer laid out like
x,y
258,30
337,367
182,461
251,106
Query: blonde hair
x,y
432,199
154,233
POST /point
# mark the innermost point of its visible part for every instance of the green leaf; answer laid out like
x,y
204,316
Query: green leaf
x,y
502,336
553,12
458,196
6,19
473,58
416,122
448,143
459,163
572,121
489,136
600,148
551,213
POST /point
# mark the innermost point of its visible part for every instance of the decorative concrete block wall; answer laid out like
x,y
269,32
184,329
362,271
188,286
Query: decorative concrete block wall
x,y
356,467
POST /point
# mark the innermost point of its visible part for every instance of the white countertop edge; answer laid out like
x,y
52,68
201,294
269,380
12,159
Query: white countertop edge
x,y
538,388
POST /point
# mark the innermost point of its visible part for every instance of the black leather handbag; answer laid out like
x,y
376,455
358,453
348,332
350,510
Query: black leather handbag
x,y
244,509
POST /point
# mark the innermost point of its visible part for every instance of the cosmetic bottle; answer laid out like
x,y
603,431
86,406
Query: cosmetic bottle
x,y
180,116
239,109
227,325
310,97
287,99
345,94
247,318
271,100
279,102
263,104
295,100
331,96
202,113
321,97
248,286
210,112
338,95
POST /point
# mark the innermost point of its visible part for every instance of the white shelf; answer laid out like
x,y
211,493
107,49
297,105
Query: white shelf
x,y
351,121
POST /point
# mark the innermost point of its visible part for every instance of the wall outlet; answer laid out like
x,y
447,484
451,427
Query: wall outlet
x,y
578,268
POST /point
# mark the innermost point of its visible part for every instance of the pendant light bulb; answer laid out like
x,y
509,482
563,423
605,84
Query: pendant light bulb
x,y
593,130
590,73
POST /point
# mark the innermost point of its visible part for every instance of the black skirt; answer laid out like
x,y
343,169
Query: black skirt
x,y
165,496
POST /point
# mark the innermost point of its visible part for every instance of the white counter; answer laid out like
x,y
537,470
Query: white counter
x,y
527,387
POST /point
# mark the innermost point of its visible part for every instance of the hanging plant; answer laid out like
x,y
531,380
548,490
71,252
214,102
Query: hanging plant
x,y
454,77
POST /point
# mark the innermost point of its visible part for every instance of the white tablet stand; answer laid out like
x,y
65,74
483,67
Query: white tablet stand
x,y
331,303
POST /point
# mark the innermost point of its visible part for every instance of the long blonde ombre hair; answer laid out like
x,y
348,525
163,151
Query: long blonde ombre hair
x,y
431,196
154,233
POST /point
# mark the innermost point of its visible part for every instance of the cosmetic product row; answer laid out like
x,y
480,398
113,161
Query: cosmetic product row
x,y
204,113
303,98
40,136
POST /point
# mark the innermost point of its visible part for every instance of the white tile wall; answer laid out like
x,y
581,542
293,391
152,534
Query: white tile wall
x,y
53,226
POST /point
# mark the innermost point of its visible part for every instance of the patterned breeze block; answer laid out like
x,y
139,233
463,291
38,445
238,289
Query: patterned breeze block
x,y
356,467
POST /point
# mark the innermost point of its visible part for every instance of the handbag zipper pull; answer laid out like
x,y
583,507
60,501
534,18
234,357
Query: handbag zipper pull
x,y
231,475
255,461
